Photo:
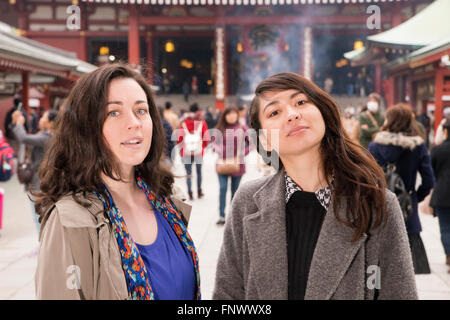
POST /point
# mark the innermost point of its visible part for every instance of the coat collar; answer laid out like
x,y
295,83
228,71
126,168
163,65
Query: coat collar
x,y
267,228
398,139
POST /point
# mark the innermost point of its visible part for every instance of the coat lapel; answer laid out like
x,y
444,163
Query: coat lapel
x,y
267,230
332,257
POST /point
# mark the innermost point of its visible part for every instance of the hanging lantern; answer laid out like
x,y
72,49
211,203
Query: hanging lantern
x,y
170,47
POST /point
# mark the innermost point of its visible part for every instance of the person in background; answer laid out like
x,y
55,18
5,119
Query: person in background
x,y
210,118
351,124
234,138
401,143
425,121
170,116
440,200
169,145
192,149
8,125
371,120
440,137
38,142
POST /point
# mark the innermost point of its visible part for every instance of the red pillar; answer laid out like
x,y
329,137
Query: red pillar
x,y
26,91
438,92
377,84
133,38
149,63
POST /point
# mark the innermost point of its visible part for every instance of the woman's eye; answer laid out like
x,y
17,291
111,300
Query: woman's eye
x,y
142,111
301,102
273,114
113,113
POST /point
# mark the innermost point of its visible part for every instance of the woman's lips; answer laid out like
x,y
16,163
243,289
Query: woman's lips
x,y
296,130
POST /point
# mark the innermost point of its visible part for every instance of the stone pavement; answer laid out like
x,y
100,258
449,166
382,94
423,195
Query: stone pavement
x,y
18,238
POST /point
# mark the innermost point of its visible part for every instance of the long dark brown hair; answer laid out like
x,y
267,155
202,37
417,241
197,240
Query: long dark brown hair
x,y
400,118
358,179
78,152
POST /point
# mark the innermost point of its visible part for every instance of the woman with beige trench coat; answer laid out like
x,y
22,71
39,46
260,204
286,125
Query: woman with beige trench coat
x,y
111,228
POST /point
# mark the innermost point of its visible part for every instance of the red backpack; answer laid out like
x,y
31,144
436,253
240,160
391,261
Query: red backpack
x,y
6,161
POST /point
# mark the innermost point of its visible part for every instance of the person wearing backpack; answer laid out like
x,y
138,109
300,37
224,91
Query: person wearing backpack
x,y
193,137
6,159
399,143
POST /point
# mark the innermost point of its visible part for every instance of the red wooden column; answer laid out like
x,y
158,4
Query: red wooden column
x,y
220,67
133,38
378,79
149,62
438,92
26,91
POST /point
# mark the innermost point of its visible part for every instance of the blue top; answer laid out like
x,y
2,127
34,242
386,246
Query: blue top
x,y
168,264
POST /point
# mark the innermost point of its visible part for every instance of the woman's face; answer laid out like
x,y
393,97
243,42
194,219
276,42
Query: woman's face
x,y
298,122
232,117
128,126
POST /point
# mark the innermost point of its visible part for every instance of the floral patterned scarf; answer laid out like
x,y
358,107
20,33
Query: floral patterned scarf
x,y
133,266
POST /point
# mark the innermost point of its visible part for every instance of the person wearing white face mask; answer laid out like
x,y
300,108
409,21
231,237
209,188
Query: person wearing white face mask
x,y
371,120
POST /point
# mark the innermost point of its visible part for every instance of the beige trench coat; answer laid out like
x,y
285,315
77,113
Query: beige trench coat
x,y
79,257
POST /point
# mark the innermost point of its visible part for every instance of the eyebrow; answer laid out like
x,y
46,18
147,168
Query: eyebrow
x,y
276,101
120,102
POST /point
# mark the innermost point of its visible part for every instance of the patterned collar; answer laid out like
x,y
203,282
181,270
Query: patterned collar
x,y
323,195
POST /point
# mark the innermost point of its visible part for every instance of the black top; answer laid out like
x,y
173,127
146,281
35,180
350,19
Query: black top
x,y
304,217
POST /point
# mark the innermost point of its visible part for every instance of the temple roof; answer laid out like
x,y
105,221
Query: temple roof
x,y
428,26
22,53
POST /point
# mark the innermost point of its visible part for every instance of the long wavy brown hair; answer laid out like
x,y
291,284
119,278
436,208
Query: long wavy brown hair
x,y
78,152
358,179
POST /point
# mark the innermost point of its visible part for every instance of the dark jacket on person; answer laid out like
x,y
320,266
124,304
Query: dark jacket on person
x,y
39,142
410,155
440,160
253,260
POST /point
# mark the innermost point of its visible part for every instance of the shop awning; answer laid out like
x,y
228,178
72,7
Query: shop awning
x,y
23,54
428,26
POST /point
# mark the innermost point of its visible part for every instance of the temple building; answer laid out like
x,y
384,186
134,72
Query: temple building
x,y
228,45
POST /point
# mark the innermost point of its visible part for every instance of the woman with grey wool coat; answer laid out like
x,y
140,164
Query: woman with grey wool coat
x,y
324,226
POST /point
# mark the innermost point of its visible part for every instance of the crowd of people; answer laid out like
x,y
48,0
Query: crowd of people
x,y
103,195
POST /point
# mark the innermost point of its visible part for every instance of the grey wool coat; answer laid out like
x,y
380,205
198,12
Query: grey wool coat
x,y
253,262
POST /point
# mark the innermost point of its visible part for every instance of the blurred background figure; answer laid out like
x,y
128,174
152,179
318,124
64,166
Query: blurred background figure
x,y
370,120
351,124
440,200
169,145
440,137
170,116
193,138
233,136
38,143
210,118
400,143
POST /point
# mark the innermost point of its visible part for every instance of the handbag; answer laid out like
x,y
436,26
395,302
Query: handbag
x,y
25,173
24,170
229,166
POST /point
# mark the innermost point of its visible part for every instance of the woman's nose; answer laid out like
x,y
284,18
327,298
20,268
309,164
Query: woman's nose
x,y
133,121
293,114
